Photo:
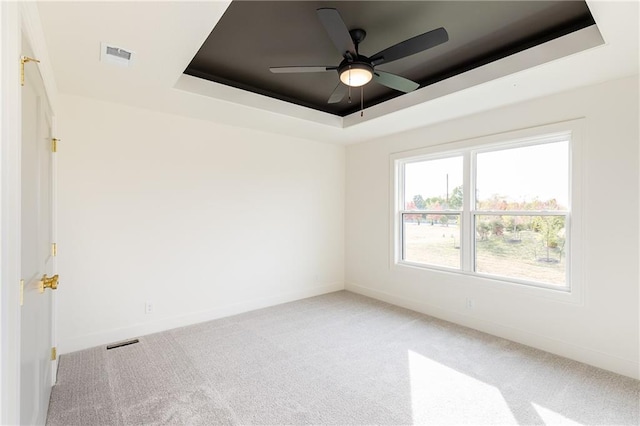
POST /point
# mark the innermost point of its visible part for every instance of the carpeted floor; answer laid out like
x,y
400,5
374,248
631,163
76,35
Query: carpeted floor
x,y
341,359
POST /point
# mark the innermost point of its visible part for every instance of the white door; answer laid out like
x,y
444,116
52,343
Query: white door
x,y
37,257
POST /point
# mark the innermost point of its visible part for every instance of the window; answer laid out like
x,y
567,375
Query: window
x,y
499,209
521,207
431,215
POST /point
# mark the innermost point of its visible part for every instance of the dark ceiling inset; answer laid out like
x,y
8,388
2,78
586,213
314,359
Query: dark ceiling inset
x,y
253,36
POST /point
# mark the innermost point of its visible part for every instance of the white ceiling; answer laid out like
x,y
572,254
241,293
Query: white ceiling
x,y
166,35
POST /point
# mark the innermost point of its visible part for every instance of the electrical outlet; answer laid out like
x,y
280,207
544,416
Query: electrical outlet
x,y
148,307
470,303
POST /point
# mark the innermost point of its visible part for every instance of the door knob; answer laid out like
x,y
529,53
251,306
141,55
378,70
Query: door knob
x,y
50,282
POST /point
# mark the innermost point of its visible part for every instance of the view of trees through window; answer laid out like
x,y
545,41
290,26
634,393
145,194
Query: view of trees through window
x,y
434,187
525,247
519,212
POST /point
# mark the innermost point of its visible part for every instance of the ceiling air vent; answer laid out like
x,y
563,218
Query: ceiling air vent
x,y
115,55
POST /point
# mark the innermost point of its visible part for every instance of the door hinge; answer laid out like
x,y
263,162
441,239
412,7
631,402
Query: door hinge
x,y
54,354
54,249
24,60
54,145
21,292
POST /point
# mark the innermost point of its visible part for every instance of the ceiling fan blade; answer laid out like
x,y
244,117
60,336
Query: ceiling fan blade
x,y
337,30
282,70
338,94
411,46
395,81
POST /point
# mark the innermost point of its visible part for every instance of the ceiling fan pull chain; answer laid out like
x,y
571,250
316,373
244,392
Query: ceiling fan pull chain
x,y
361,101
349,83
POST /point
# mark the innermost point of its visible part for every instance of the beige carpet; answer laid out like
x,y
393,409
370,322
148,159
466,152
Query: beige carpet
x,y
335,359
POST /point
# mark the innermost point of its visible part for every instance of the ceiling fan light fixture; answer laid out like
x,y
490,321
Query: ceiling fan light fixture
x,y
356,75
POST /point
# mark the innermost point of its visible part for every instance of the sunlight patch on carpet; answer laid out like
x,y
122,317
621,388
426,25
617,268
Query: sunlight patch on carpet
x,y
442,395
551,417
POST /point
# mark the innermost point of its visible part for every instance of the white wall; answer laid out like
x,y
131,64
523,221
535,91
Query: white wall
x,y
206,221
602,330
201,219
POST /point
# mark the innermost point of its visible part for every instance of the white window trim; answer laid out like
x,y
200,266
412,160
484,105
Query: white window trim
x,y
574,294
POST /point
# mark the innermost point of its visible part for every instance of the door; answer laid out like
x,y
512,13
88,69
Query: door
x,y
37,256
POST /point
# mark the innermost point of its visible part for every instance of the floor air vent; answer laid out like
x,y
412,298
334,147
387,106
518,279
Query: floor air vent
x,y
121,344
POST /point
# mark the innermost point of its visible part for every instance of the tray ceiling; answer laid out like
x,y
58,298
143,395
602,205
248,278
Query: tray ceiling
x,y
252,36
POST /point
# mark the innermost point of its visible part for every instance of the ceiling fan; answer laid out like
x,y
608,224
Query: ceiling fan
x,y
356,70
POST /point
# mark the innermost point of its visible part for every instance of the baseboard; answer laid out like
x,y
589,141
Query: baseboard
x,y
578,353
141,329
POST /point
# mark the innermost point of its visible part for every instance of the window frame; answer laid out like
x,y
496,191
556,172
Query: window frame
x,y
570,131
402,211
